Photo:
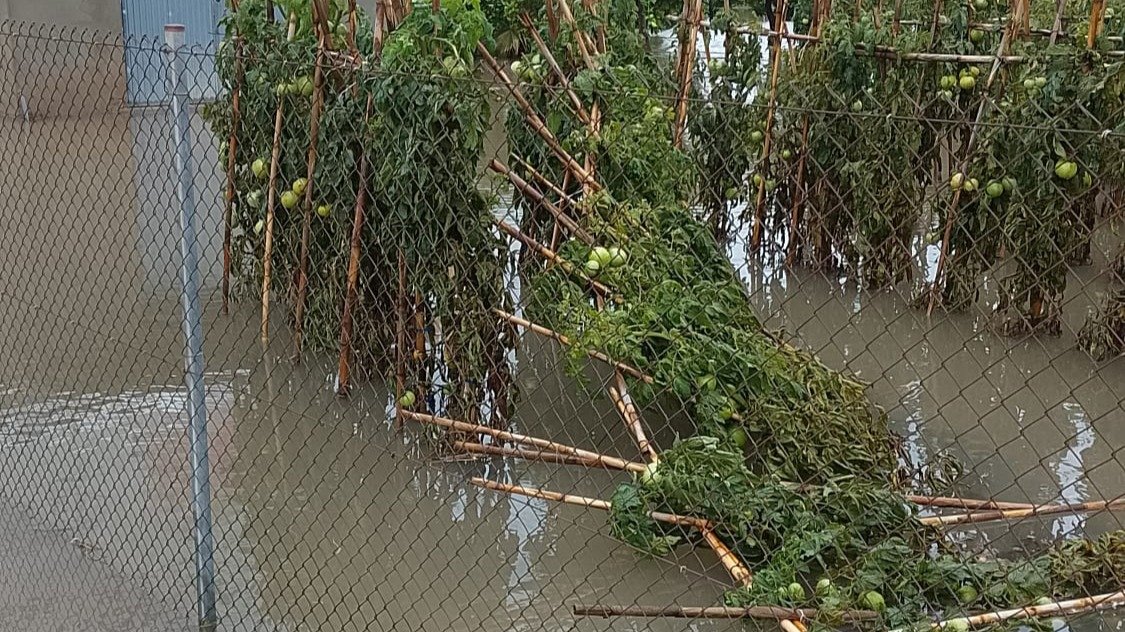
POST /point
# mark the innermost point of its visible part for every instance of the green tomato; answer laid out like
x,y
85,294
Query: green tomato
x,y
976,36
617,257
1066,169
947,94
731,193
771,184
1040,82
947,82
260,168
281,89
601,255
857,106
797,592
259,226
1029,84
968,82
651,475
957,181
823,586
407,399
1009,184
872,600
290,200
786,154
974,71
299,185
738,436
967,594
303,86
957,625
758,180
994,189
756,136
972,185
324,210
593,267
980,5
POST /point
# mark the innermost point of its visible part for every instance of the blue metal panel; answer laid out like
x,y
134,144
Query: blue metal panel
x,y
143,25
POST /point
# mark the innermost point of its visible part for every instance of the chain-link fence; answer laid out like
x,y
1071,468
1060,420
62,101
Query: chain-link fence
x,y
537,319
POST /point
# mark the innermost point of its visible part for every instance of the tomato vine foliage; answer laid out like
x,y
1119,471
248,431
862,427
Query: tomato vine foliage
x,y
421,141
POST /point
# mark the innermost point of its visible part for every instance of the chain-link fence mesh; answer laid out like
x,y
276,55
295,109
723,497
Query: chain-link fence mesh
x,y
535,319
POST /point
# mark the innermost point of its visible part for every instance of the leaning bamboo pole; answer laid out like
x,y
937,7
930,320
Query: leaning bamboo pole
x,y
564,82
790,616
537,197
271,200
564,340
612,462
323,43
544,456
1027,512
536,123
554,258
771,114
232,162
1068,606
583,501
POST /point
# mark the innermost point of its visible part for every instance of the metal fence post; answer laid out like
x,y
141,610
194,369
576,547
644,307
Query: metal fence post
x,y
193,336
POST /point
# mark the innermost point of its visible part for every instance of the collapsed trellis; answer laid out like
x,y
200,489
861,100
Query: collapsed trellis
x,y
569,205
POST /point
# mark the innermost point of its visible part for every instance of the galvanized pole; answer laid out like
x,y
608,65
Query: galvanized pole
x,y
193,336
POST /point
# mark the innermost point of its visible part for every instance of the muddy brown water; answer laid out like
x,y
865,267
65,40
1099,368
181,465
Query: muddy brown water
x,y
327,519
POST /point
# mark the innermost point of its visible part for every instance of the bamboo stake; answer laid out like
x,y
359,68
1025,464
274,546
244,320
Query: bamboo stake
x,y
1069,606
970,145
628,411
719,612
400,340
1097,18
964,503
564,340
541,455
352,25
580,37
271,200
504,435
771,109
545,181
583,501
537,197
351,294
1015,514
536,123
553,257
320,21
544,50
232,163
798,197
1056,28
685,64
795,625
